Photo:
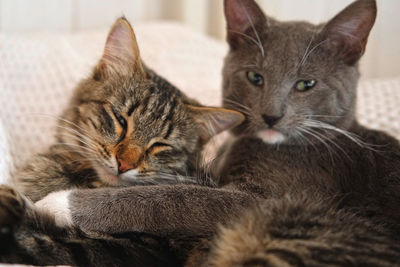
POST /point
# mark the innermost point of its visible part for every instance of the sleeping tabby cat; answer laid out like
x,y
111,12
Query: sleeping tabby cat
x,y
125,125
326,189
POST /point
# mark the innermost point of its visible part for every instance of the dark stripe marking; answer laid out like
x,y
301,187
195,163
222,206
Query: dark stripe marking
x,y
287,256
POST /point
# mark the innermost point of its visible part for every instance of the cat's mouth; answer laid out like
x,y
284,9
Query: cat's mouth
x,y
271,136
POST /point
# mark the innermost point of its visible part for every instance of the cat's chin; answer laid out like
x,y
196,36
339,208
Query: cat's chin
x,y
271,137
129,176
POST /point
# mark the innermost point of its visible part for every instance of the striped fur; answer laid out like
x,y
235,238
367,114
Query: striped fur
x,y
36,240
124,126
300,232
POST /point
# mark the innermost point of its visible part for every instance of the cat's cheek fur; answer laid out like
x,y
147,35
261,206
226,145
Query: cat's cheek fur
x,y
57,204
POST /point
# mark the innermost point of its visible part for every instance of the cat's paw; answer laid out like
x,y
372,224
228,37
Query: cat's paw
x,y
57,205
12,209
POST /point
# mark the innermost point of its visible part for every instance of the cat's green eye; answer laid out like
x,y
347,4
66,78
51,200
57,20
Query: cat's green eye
x,y
304,85
255,78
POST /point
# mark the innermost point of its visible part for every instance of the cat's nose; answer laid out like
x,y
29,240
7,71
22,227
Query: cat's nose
x,y
271,120
124,166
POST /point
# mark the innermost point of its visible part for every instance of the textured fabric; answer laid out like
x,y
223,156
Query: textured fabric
x,y
378,105
39,71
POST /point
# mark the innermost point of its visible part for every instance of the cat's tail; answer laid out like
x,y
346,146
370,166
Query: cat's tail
x,y
298,232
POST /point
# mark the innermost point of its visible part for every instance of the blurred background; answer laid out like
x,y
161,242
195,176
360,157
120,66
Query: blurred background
x,y
382,59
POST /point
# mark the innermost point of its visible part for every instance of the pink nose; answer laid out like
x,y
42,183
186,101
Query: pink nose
x,y
123,166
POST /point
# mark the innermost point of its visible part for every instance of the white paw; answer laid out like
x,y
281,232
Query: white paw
x,y
57,204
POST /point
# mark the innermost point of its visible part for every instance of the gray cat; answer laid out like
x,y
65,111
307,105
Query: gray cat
x,y
302,184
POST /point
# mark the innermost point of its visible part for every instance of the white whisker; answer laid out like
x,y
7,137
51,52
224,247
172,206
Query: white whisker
x,y
351,136
252,39
79,146
310,52
320,138
258,42
60,119
75,132
79,139
306,51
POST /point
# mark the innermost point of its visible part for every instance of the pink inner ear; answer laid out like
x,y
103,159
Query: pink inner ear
x,y
234,16
120,44
224,121
240,14
113,41
349,30
121,53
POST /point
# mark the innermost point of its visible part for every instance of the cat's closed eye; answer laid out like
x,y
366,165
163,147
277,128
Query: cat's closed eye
x,y
158,147
255,78
121,120
304,85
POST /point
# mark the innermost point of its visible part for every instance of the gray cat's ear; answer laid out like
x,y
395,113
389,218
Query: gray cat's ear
x,y
244,18
121,53
347,33
212,121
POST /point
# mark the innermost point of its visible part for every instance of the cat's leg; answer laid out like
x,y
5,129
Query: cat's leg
x,y
52,172
20,224
29,236
187,209
12,209
42,175
56,203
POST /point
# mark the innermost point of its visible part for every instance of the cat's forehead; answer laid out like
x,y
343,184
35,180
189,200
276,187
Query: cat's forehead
x,y
289,50
149,106
120,92
298,31
289,40
135,93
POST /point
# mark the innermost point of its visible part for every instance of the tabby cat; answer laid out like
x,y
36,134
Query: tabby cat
x,y
125,125
325,189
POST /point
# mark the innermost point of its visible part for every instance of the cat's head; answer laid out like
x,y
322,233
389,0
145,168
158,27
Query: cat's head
x,y
129,123
292,79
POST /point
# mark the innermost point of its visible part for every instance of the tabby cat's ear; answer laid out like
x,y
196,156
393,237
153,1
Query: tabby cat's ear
x,y
347,33
121,53
212,121
244,18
